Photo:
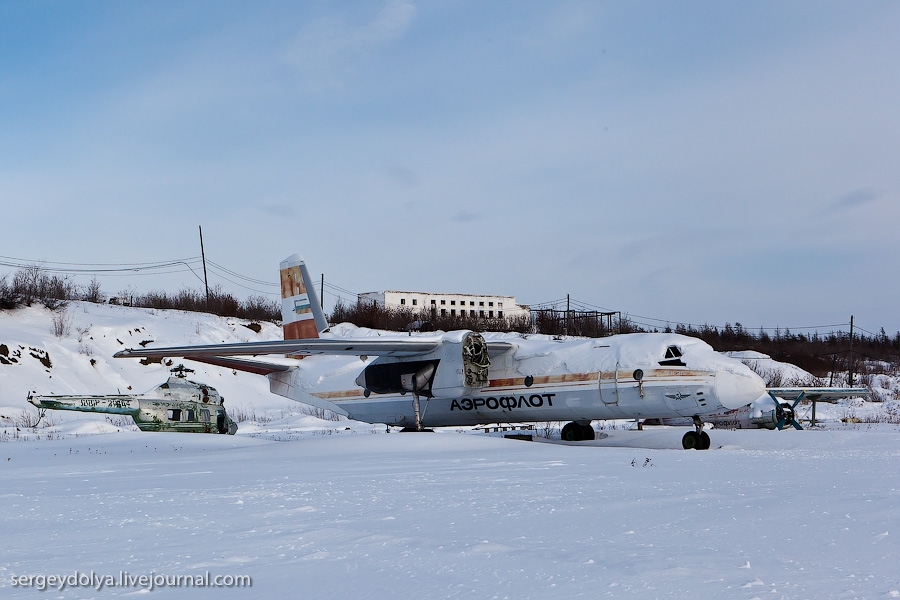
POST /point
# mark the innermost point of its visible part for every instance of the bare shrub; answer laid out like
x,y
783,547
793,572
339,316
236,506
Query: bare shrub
x,y
7,299
548,429
62,324
121,421
92,293
82,331
260,308
31,284
320,413
220,303
27,418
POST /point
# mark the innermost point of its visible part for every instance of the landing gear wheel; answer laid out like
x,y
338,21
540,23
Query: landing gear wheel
x,y
571,432
690,441
587,433
704,441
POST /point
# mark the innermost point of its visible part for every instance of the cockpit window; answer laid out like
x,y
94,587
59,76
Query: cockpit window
x,y
673,357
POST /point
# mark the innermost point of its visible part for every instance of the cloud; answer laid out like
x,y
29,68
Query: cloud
x,y
856,198
465,216
279,210
327,50
403,177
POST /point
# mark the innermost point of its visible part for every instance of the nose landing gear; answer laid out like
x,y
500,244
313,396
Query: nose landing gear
x,y
696,440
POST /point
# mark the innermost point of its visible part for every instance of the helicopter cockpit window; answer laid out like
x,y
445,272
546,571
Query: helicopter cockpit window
x,y
174,414
672,357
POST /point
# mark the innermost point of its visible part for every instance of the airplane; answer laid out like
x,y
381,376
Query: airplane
x,y
462,378
179,404
775,410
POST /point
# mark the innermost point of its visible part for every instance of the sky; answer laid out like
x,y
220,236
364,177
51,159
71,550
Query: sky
x,y
706,162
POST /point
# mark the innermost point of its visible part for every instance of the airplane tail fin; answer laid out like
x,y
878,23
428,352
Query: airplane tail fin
x,y
301,315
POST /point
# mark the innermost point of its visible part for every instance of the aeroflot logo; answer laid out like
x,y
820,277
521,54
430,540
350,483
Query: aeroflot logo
x,y
302,306
503,402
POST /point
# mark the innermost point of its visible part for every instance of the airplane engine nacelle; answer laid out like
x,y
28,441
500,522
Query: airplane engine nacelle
x,y
767,416
458,367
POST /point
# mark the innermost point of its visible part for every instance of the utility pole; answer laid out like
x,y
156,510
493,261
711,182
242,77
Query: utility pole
x,y
850,367
322,293
203,255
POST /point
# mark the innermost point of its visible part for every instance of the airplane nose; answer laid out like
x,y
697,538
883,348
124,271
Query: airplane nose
x,y
735,390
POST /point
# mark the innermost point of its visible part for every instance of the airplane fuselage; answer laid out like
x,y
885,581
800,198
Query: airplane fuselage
x,y
541,379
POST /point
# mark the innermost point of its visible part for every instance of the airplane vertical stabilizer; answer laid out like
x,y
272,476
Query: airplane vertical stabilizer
x,y
302,317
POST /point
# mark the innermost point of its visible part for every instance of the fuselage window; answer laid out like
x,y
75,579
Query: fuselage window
x,y
174,414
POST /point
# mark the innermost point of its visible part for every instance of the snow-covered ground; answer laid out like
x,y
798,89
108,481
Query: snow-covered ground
x,y
309,508
809,514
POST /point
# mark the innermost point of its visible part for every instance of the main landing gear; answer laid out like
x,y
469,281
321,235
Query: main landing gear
x,y
576,432
696,440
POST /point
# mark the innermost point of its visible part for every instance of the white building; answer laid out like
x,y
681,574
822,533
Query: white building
x,y
449,305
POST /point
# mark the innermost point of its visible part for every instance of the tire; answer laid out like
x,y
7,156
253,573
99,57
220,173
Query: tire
x,y
690,441
588,433
571,432
704,441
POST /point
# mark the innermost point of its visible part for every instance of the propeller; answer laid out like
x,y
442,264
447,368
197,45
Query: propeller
x,y
785,412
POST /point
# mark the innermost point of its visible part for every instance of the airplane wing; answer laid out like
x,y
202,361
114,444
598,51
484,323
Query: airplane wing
x,y
352,347
257,367
822,394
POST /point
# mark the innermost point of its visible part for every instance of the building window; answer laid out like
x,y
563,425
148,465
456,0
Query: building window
x,y
491,314
402,300
490,303
453,303
499,314
499,305
443,302
481,303
480,313
434,302
471,303
452,312
471,313
415,302
443,312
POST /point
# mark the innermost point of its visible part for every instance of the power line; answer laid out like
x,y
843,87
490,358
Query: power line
x,y
30,262
243,277
653,322
214,268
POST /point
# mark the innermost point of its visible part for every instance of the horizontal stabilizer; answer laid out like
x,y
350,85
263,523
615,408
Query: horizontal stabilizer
x,y
818,394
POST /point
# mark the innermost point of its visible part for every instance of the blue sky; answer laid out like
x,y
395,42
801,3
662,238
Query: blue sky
x,y
700,162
